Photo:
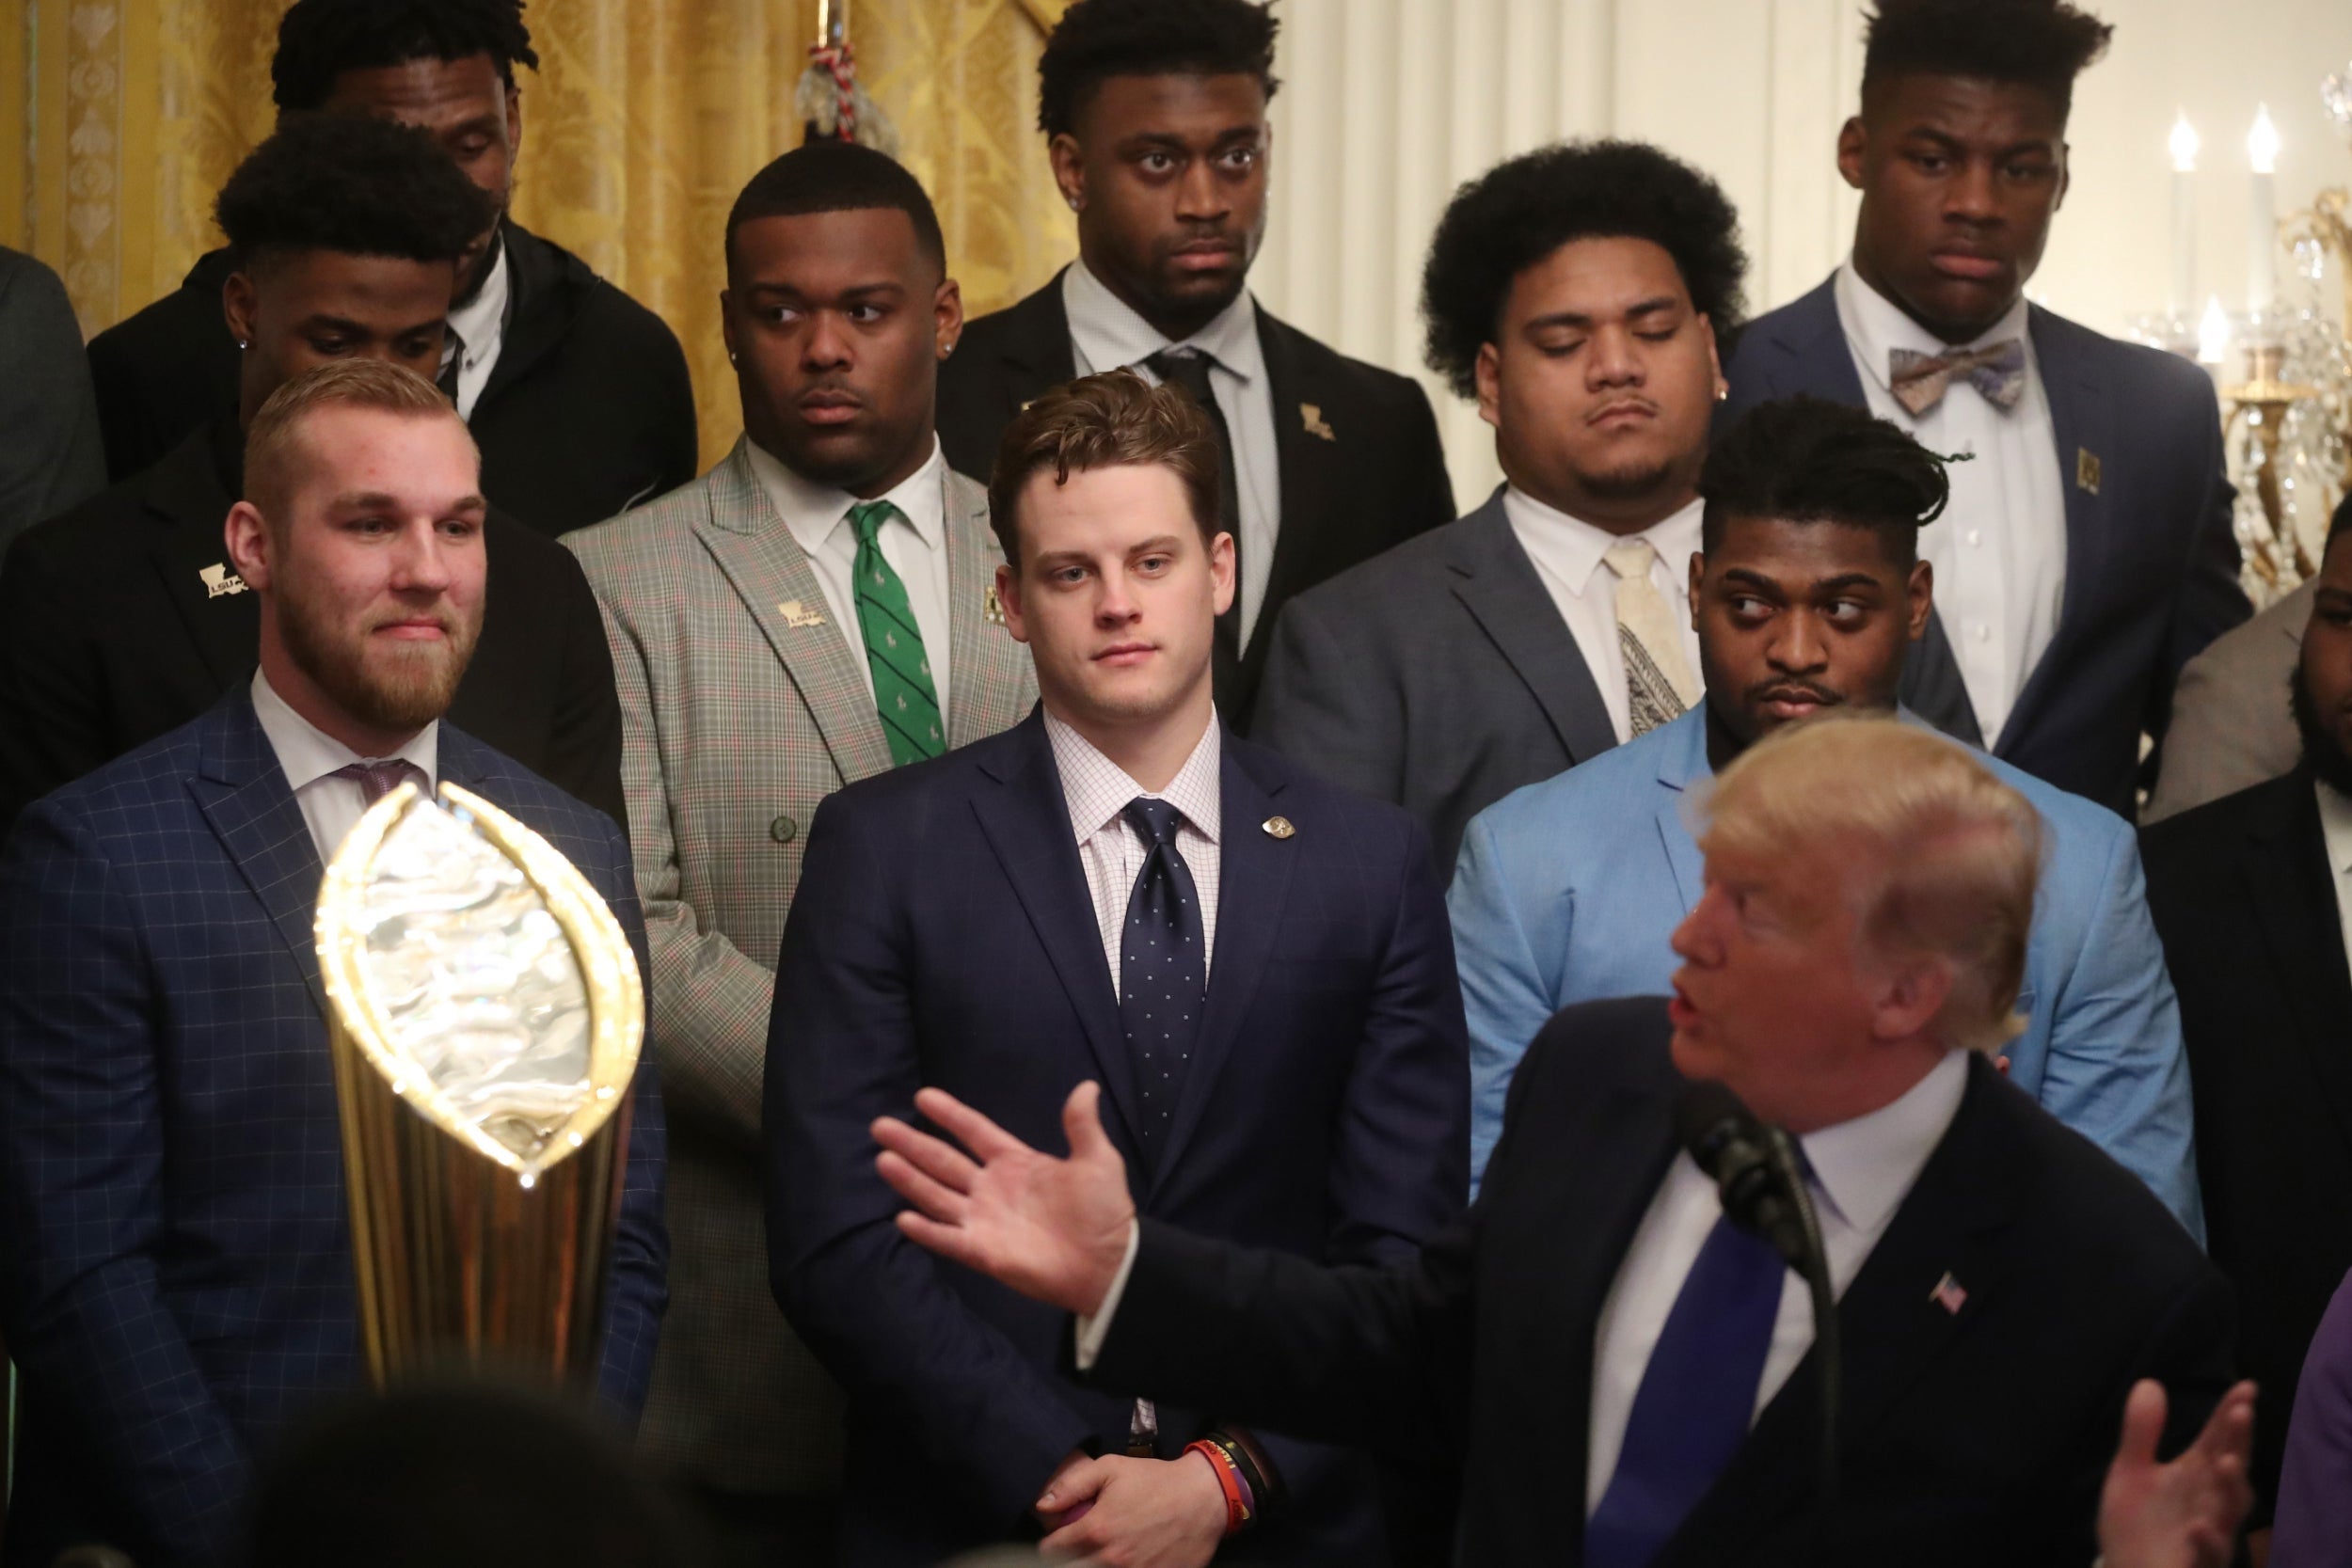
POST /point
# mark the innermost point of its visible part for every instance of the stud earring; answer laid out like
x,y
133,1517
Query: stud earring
x,y
1074,202
241,345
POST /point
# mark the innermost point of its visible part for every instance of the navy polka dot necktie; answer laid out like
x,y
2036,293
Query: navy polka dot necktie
x,y
1162,971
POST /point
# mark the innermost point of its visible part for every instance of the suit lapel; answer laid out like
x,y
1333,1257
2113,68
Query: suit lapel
x,y
243,794
1253,884
1311,468
1497,585
768,569
2290,851
536,314
1682,759
1807,352
1027,821
972,557
2082,423
185,495
1036,352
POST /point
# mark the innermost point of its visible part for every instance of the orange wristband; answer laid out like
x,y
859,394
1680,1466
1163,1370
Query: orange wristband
x,y
1228,1480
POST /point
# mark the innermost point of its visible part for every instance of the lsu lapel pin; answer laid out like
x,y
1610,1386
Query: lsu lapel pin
x,y
1310,414
1948,1294
219,579
992,608
797,617
2086,470
1278,826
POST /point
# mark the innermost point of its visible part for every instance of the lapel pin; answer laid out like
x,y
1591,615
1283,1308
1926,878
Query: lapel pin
x,y
1948,1296
992,608
1310,414
219,579
798,617
1278,826
2086,470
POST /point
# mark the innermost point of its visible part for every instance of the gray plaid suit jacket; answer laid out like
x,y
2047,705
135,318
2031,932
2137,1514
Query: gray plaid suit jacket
x,y
736,723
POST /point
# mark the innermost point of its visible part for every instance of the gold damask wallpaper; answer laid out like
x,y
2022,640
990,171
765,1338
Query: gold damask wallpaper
x,y
645,118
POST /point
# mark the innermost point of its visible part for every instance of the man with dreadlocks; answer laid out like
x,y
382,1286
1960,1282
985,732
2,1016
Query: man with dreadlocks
x,y
1155,113
578,395
2088,552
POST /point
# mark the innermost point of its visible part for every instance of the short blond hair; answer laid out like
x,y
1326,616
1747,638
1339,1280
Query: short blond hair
x,y
1955,853
272,456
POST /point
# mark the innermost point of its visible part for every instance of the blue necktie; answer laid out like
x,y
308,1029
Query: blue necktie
x,y
1162,969
1697,1395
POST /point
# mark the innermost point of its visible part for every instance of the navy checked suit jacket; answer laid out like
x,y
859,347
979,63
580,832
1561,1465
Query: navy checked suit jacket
x,y
175,1262
944,934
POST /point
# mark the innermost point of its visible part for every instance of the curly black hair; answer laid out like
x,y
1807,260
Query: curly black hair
x,y
1808,459
2041,43
1100,38
319,39
352,183
1522,209
827,176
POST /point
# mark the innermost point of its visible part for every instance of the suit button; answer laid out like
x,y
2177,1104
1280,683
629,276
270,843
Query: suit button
x,y
781,830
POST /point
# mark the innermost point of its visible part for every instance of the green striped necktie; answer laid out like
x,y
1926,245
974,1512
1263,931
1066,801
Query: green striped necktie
x,y
903,692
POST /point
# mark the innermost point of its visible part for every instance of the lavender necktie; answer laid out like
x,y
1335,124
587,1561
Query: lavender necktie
x,y
378,779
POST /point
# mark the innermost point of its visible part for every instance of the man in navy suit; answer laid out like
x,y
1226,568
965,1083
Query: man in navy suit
x,y
179,1274
2088,554
1254,964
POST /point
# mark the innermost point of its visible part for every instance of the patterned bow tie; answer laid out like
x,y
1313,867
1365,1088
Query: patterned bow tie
x,y
1996,370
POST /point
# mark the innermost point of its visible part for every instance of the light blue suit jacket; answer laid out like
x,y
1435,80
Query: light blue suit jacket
x,y
1566,891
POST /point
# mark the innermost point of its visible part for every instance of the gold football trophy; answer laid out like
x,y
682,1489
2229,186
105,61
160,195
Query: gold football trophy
x,y
485,1015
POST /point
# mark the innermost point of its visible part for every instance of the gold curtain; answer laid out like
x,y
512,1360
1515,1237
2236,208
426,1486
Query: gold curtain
x,y
643,120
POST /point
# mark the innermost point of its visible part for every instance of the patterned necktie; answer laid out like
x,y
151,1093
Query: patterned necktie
x,y
1997,371
1657,683
1190,371
1162,969
1696,1398
903,693
378,779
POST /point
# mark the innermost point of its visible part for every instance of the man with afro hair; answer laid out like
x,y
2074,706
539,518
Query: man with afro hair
x,y
578,395
122,619
1578,295
1154,113
2088,554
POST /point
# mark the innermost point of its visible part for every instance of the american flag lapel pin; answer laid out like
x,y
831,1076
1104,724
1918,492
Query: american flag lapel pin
x,y
1948,1294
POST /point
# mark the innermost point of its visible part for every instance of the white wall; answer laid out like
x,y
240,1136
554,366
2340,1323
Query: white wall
x,y
1388,104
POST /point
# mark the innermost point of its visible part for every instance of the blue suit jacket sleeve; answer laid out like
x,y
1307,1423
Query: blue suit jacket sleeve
x,y
2117,1070
1506,994
638,1291
842,1050
82,1221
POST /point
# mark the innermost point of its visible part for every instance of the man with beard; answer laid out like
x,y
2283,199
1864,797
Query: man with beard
x,y
2089,552
1807,592
1155,113
1577,294
123,619
2252,894
576,394
812,611
171,1194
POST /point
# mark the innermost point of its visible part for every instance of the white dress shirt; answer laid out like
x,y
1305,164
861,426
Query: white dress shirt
x,y
1999,549
1105,333
914,542
2335,827
479,324
1097,791
1567,554
1863,1170
331,807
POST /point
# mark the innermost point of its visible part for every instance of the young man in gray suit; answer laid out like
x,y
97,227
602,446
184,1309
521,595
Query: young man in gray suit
x,y
1577,294
814,611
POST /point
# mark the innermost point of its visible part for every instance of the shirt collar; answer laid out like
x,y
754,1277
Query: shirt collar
x,y
811,511
1572,548
1876,326
1866,1166
307,754
480,321
1110,334
1097,789
2335,824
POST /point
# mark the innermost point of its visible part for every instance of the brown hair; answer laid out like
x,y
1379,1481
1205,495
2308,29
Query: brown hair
x,y
271,458
1952,853
1105,421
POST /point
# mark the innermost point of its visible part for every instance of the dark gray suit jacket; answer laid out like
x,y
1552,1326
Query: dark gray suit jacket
x,y
49,456
1438,677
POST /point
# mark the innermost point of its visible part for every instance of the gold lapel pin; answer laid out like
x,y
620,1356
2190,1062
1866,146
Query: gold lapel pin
x,y
219,579
1278,826
992,608
2086,470
798,617
1310,414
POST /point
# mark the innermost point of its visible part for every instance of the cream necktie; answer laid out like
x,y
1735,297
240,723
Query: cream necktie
x,y
1658,682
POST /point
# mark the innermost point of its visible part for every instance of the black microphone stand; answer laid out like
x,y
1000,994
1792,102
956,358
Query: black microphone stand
x,y
1826,1357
